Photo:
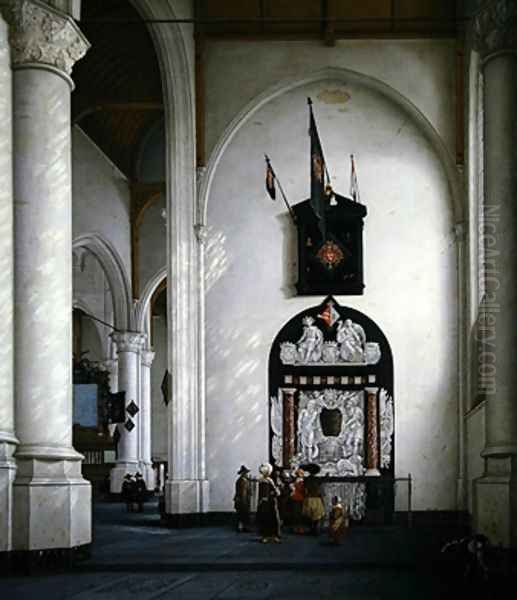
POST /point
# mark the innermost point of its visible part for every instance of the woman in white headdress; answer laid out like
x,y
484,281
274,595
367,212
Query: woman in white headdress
x,y
268,518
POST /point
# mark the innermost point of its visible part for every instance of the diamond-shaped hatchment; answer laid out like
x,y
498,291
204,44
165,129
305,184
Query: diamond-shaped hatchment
x,y
165,387
132,408
129,425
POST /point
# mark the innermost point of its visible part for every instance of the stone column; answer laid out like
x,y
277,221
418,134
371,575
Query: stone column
x,y
372,433
146,464
496,491
289,440
52,502
187,489
7,438
129,345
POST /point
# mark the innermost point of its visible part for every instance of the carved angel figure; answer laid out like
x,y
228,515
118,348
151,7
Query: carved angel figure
x,y
354,428
352,340
311,342
306,431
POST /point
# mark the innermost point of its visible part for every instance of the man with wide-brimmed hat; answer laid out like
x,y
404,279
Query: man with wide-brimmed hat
x,y
242,499
127,492
140,491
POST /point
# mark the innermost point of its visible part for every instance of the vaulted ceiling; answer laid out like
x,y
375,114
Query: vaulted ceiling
x,y
118,94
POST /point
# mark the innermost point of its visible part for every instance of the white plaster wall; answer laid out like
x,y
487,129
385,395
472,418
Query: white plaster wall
x,y
421,70
92,294
410,264
153,242
159,425
101,198
475,443
91,340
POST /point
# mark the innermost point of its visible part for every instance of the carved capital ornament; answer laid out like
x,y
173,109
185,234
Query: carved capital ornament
x,y
495,27
129,341
40,34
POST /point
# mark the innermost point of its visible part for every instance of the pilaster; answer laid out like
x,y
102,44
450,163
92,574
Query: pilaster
x,y
145,462
495,28
7,439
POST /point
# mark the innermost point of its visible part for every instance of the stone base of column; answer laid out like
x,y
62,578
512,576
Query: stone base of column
x,y
118,473
186,502
495,501
52,501
7,475
373,473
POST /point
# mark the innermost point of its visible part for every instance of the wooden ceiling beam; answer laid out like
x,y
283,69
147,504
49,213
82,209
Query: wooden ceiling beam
x,y
109,106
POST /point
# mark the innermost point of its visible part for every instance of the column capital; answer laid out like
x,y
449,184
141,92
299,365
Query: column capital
x,y
495,28
128,341
371,390
41,35
289,390
147,358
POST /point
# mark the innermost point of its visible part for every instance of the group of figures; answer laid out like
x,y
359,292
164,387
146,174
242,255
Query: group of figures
x,y
350,346
134,492
287,499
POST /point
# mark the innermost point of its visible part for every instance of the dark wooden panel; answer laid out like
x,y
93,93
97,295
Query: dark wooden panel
x,y
304,16
230,16
367,9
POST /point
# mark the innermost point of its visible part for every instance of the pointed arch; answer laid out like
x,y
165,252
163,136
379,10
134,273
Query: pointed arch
x,y
344,76
116,275
142,305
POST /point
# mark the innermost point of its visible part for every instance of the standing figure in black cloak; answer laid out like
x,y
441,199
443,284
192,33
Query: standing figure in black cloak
x,y
268,519
242,499
140,491
127,491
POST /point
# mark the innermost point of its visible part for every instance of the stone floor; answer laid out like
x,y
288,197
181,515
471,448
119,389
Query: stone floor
x,y
133,557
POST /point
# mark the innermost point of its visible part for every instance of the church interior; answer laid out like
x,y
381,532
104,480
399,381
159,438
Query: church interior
x,y
174,305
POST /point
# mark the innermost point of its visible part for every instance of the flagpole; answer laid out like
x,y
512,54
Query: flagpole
x,y
309,102
293,216
354,184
